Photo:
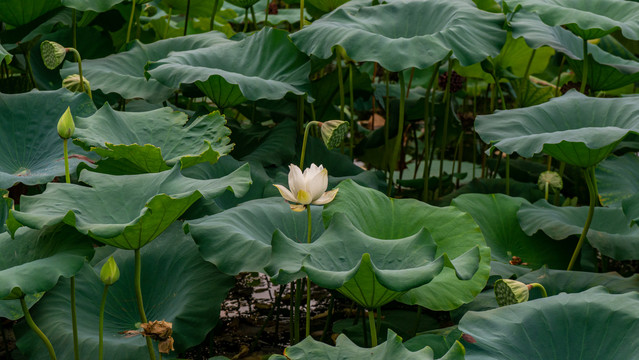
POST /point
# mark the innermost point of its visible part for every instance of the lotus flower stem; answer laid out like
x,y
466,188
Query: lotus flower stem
x,y
400,132
329,318
427,129
308,280
79,60
246,20
589,174
302,16
67,175
338,59
268,9
351,96
128,30
373,327
74,321
215,5
138,298
386,125
186,16
253,17
101,323
445,128
298,302
36,329
584,75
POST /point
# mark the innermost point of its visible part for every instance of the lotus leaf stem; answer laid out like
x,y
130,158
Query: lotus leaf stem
x,y
589,174
268,9
128,30
507,174
36,329
338,59
186,16
371,322
301,14
74,26
253,17
246,20
352,104
386,125
168,22
584,76
308,280
215,5
298,302
445,128
101,323
138,298
329,318
400,132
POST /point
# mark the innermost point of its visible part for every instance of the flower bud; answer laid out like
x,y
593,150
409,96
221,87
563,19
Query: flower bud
x,y
66,127
509,292
53,54
333,132
110,272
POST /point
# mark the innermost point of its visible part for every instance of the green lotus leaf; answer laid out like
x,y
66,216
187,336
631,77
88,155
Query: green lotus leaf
x,y
126,211
21,12
617,179
34,261
610,231
123,73
31,151
345,349
606,72
496,215
586,18
154,140
91,5
263,66
6,204
239,239
5,55
566,327
318,8
454,232
177,286
631,208
367,270
574,128
406,33
12,309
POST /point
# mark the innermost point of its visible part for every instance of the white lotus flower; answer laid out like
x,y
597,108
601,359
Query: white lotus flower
x,y
307,188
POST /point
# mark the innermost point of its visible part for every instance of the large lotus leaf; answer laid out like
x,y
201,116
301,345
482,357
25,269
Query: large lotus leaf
x,y
126,211
318,8
406,33
21,12
154,140
566,327
574,128
91,5
631,208
35,260
617,179
345,349
606,72
590,19
496,215
31,151
454,231
177,286
610,231
239,239
264,66
367,270
123,73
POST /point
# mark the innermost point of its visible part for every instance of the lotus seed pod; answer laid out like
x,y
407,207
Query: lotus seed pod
x,y
509,292
333,132
110,273
72,82
53,54
552,178
66,127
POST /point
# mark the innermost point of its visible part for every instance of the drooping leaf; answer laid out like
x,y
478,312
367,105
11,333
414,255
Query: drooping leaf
x,y
154,140
574,128
239,239
5,55
367,270
566,326
610,232
263,66
345,349
586,18
35,260
617,179
177,286
496,215
31,151
123,73
455,233
91,5
126,211
21,12
403,30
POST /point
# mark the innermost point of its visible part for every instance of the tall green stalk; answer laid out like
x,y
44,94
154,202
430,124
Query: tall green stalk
x,y
427,129
445,128
338,59
128,30
101,323
36,329
138,297
301,14
308,280
78,58
186,16
373,327
584,76
212,24
400,131
589,175
352,104
306,130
